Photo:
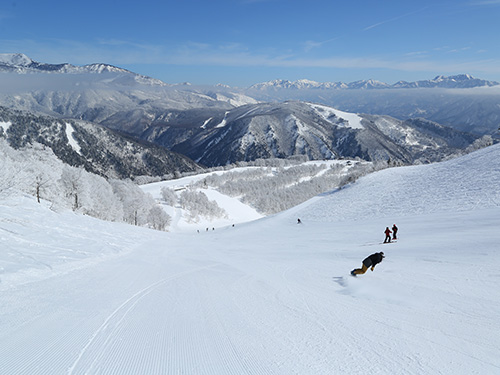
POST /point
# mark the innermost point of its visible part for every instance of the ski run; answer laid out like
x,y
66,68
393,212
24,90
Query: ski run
x,y
267,295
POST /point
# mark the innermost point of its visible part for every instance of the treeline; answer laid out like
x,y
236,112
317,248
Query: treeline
x,y
272,162
271,190
194,202
35,170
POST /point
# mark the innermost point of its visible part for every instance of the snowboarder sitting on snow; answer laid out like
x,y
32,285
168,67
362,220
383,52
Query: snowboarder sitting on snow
x,y
387,235
371,261
394,231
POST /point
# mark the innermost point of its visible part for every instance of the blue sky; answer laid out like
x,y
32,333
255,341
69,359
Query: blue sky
x,y
242,42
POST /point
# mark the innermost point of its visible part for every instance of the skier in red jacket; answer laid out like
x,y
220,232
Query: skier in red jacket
x,y
387,235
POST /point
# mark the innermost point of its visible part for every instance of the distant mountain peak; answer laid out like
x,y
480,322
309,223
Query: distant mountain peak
x,y
104,68
458,77
22,64
456,81
19,59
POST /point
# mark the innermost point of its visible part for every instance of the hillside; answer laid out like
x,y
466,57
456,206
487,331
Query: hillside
x,y
282,130
269,296
93,147
472,110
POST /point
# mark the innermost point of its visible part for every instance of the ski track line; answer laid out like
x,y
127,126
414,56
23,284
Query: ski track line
x,y
132,302
287,283
263,333
228,347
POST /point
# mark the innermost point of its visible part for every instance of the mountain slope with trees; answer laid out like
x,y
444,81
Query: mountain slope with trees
x,y
96,148
270,130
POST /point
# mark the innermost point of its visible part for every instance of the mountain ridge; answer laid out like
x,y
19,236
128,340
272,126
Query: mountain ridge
x,y
440,81
20,63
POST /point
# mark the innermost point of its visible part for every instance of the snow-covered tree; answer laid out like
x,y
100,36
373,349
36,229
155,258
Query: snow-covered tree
x,y
158,219
484,141
198,204
168,196
136,204
102,201
74,185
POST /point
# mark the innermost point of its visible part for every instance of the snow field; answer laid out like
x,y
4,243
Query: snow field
x,y
82,296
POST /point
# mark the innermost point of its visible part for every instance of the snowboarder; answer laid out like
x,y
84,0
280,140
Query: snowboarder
x,y
387,235
394,231
298,221
368,262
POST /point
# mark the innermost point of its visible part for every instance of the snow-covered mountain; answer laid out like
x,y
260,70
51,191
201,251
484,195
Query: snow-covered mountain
x,y
103,94
22,64
460,81
187,119
462,102
97,149
474,110
457,81
281,130
269,296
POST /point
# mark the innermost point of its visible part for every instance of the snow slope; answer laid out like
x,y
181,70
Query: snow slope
x,y
81,296
236,212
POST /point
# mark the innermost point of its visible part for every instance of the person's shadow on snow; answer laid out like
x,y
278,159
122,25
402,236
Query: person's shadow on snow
x,y
340,280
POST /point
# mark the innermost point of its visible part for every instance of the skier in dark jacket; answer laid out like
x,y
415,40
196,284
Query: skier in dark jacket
x,y
371,261
387,235
394,232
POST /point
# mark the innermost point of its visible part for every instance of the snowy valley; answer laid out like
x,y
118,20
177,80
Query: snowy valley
x,y
267,295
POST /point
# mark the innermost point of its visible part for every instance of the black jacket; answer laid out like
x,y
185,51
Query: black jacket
x,y
373,260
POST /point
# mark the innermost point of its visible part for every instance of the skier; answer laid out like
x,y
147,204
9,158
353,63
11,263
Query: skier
x,y
298,221
370,261
394,231
387,235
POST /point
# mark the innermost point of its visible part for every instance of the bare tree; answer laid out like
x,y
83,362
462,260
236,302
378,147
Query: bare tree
x,y
41,182
71,179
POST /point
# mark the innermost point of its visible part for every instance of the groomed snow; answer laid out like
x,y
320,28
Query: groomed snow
x,y
81,296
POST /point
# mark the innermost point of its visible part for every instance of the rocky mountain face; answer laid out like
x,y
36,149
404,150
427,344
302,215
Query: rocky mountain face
x,y
281,130
97,149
